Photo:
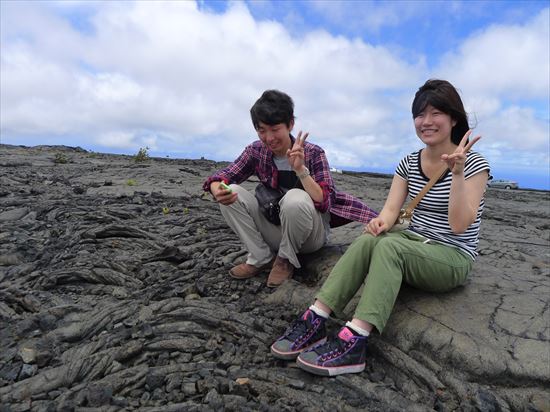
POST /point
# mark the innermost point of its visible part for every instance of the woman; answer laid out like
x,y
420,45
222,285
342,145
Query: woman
x,y
434,254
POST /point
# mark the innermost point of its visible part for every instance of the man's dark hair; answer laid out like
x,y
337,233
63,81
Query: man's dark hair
x,y
443,96
273,107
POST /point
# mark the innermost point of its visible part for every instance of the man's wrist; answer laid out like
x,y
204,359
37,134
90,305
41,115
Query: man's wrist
x,y
214,185
303,173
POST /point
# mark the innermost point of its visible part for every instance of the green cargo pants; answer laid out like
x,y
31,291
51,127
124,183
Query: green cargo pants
x,y
390,259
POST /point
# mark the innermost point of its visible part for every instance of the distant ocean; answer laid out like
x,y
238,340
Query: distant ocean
x,y
525,180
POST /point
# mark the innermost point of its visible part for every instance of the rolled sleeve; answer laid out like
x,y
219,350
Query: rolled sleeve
x,y
237,172
320,171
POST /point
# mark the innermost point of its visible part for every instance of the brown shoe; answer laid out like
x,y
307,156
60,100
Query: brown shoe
x,y
245,271
281,271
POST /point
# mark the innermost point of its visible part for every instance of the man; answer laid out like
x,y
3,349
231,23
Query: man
x,y
300,170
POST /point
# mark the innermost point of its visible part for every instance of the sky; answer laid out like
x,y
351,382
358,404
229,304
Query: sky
x,y
179,77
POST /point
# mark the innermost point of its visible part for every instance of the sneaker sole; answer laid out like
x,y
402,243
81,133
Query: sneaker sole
x,y
294,355
329,371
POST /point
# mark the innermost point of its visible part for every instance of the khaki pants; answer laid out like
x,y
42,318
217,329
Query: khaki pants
x,y
301,229
388,260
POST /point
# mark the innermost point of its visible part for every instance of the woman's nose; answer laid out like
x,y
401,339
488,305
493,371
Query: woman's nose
x,y
427,119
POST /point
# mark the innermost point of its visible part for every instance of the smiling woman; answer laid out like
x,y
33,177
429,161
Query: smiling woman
x,y
434,254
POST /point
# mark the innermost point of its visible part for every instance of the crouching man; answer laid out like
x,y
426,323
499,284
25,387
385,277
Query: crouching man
x,y
299,170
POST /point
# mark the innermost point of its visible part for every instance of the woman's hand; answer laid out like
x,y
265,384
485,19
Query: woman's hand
x,y
456,160
376,226
295,155
223,196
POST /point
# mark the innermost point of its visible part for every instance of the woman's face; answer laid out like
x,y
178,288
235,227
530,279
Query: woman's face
x,y
433,126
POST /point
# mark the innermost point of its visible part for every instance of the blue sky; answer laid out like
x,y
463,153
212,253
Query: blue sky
x,y
180,77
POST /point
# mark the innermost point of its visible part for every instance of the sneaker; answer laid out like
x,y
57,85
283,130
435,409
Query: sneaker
x,y
344,353
304,333
246,271
281,271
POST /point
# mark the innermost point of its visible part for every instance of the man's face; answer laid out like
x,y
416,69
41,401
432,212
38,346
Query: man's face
x,y
276,137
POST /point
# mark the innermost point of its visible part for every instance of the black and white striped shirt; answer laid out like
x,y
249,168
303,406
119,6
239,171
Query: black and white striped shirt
x,y
430,218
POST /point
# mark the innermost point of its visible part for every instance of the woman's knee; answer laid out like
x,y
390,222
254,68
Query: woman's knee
x,y
389,244
366,240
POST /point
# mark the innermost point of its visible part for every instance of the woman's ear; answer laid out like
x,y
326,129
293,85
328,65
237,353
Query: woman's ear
x,y
291,125
453,122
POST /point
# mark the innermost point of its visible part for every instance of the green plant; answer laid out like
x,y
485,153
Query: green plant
x,y
131,182
142,155
185,210
165,210
60,158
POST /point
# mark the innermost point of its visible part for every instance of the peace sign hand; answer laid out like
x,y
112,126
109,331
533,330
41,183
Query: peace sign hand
x,y
295,155
456,160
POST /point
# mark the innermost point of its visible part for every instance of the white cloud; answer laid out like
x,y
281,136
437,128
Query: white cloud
x,y
517,129
504,76
188,73
181,79
504,61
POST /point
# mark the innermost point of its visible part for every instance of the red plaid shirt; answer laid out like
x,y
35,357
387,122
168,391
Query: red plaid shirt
x,y
257,159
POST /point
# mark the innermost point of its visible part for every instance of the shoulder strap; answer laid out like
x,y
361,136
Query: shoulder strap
x,y
413,203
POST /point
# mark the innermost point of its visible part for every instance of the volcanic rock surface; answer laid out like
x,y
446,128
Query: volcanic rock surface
x,y
114,295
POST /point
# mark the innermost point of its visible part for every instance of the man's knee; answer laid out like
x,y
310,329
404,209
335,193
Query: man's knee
x,y
296,198
245,199
296,203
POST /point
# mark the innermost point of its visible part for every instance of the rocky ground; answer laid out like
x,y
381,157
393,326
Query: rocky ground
x,y
114,295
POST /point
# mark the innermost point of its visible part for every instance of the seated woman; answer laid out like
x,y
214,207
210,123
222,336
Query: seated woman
x,y
434,254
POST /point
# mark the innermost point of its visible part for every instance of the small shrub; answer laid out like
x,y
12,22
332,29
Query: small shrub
x,y
185,210
165,210
60,158
142,155
131,182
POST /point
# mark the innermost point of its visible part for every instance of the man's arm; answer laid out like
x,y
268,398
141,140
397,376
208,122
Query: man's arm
x,y
237,172
318,184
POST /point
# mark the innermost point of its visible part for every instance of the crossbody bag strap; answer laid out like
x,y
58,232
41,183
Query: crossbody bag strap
x,y
413,203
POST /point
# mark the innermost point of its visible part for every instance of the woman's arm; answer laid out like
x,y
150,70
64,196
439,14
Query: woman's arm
x,y
464,200
396,197
465,194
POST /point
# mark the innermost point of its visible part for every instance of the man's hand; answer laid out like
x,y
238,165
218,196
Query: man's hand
x,y
295,155
223,196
